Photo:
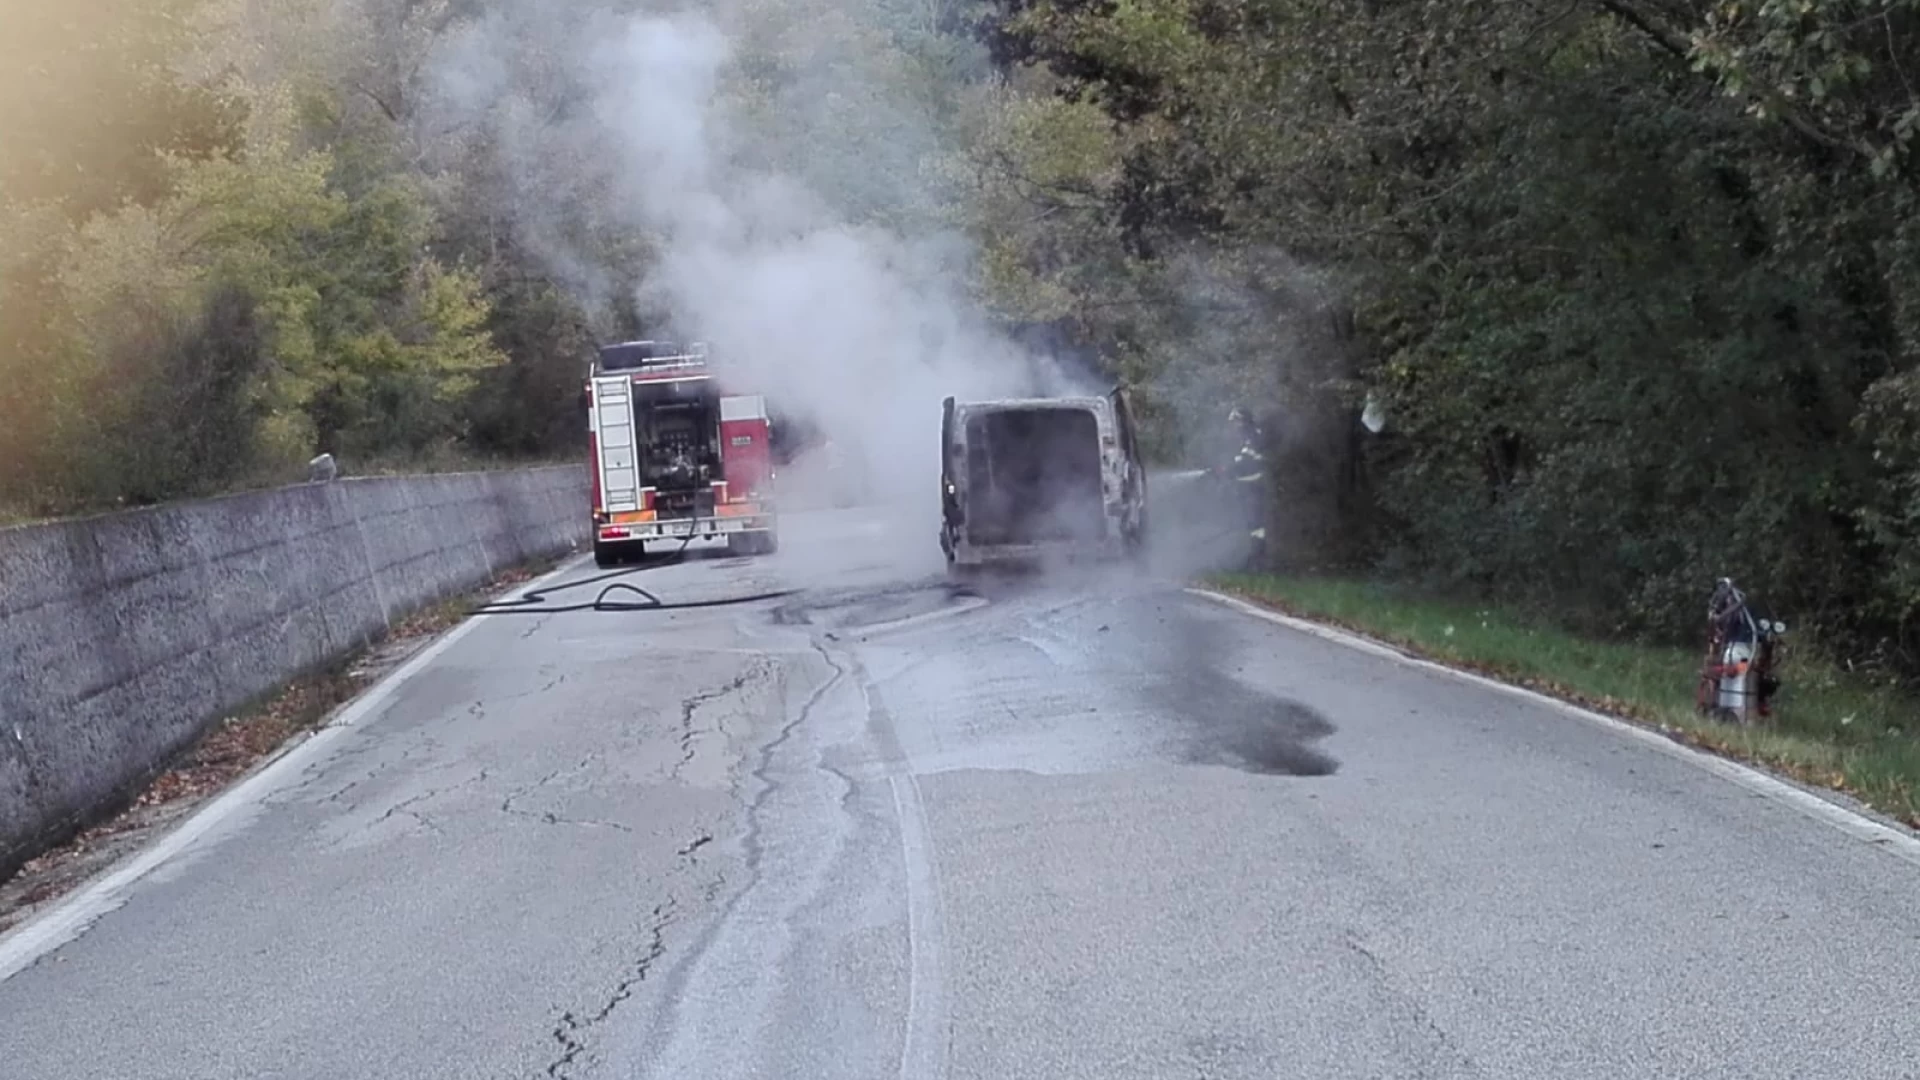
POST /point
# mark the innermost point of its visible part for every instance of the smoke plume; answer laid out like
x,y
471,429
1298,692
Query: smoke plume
x,y
770,161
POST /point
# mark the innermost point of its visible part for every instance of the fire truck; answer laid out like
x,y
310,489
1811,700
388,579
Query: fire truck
x,y
675,454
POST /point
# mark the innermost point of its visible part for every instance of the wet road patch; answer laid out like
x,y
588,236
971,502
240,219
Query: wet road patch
x,y
1277,744
852,610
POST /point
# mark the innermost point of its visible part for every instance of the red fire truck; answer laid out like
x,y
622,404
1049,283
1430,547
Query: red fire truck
x,y
675,454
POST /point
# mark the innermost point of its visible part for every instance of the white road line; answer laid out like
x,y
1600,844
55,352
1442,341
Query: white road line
x,y
923,1051
1894,841
70,918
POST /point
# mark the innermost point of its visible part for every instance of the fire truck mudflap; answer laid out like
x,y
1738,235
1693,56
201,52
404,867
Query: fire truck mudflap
x,y
675,455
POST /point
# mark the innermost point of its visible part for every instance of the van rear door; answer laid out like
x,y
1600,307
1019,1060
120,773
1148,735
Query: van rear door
x,y
1134,484
952,476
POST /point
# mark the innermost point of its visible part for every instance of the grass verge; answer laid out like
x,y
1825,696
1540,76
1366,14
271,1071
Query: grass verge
x,y
1828,729
232,748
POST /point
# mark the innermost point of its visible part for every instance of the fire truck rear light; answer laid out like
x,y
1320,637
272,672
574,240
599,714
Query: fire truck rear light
x,y
615,533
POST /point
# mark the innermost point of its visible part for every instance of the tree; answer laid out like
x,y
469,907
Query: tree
x,y
1630,276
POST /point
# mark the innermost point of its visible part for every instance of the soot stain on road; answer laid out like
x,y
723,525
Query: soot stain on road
x,y
1273,745
1227,724
1135,637
852,609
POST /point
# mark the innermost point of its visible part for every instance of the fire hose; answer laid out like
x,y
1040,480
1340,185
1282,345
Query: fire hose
x,y
534,601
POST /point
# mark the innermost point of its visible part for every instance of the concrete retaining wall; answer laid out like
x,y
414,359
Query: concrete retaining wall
x,y
122,637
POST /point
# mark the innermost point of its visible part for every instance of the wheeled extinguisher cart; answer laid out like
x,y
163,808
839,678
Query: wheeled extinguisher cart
x,y
1738,677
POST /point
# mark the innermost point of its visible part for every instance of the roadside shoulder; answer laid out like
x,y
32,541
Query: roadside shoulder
x,y
61,892
1832,808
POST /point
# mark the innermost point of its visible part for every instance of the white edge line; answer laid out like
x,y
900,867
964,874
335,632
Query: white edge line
x,y
67,920
1857,825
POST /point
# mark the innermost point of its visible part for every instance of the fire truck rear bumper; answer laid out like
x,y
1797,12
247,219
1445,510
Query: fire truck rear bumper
x,y
686,528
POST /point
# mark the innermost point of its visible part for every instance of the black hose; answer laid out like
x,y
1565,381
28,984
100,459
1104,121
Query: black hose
x,y
534,602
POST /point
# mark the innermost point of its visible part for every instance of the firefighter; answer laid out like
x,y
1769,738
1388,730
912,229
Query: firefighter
x,y
1239,476
1248,464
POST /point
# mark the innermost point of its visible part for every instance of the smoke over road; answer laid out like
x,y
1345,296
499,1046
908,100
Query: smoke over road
x,y
772,161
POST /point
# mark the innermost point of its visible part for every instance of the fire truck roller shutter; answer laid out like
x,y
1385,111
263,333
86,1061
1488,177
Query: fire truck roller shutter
x,y
745,453
614,436
743,407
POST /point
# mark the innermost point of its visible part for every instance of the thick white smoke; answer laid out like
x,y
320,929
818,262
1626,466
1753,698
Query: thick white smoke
x,y
746,197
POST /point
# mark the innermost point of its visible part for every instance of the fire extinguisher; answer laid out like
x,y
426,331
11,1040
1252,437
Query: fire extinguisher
x,y
1739,676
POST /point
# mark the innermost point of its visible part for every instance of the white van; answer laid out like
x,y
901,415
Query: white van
x,y
1035,479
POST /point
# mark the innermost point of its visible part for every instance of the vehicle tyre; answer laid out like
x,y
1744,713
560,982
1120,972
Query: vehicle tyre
x,y
1136,542
605,556
619,553
768,542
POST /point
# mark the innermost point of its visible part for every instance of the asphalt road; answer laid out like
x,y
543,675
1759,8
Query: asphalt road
x,y
1077,827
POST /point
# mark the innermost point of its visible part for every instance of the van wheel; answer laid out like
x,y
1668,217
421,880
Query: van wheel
x,y
755,543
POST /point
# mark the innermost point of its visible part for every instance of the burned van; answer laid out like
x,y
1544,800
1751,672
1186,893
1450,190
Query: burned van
x,y
1035,479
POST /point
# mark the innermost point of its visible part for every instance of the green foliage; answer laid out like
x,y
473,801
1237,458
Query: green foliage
x,y
253,315
87,96
244,309
1636,280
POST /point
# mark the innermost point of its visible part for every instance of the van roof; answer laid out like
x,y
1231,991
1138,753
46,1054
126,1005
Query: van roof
x,y
1031,403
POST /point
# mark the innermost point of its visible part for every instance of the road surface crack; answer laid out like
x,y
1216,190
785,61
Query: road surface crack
x,y
1383,976
763,776
554,680
571,1032
514,796
524,790
548,817
763,770
403,807
320,771
430,824
692,705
